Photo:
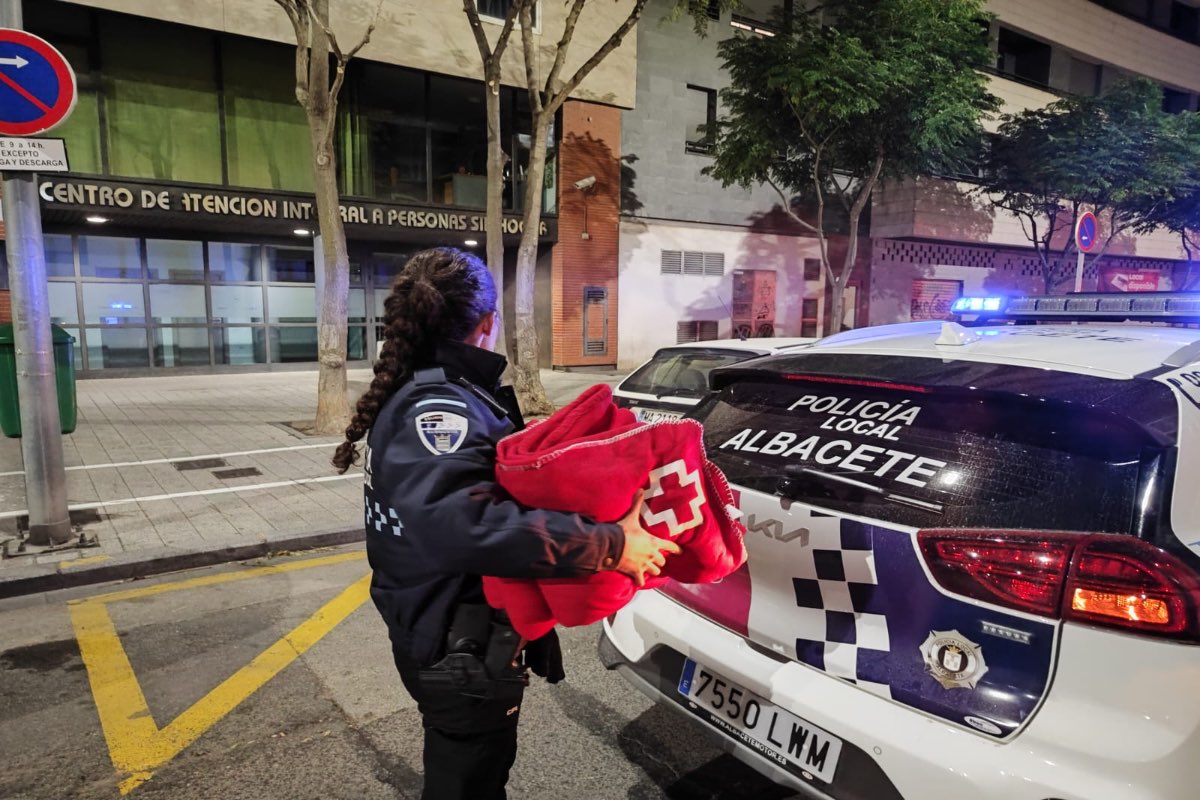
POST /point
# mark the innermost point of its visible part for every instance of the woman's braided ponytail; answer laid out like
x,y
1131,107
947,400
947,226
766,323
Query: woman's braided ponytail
x,y
440,295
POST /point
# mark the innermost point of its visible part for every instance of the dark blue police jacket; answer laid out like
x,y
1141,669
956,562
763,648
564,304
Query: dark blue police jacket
x,y
435,518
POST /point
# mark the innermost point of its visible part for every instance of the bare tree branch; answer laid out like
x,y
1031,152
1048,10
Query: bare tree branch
x,y
787,206
342,57
864,193
472,12
614,41
299,18
366,37
335,48
531,82
564,44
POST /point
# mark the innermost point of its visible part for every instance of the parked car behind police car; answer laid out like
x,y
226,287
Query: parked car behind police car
x,y
974,562
676,377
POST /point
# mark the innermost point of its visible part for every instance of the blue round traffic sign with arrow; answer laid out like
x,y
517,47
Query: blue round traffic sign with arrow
x,y
37,85
1085,232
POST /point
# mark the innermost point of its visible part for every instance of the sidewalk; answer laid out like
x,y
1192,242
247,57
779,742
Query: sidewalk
x,y
181,471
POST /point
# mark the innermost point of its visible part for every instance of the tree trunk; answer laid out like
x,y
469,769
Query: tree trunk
x,y
837,287
333,407
495,193
527,380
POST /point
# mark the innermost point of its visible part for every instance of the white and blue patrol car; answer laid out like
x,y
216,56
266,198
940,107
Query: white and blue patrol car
x,y
974,562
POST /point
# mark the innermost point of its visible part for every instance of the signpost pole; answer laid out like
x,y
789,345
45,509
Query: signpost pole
x,y
41,439
1087,231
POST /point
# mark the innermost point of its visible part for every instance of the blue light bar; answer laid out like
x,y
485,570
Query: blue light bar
x,y
968,305
1174,307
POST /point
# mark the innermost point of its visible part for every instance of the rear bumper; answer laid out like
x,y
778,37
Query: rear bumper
x,y
1075,749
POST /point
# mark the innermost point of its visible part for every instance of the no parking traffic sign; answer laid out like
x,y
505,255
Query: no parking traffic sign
x,y
37,85
1085,232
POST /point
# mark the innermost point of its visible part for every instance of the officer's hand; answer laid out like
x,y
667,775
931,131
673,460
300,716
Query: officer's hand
x,y
643,552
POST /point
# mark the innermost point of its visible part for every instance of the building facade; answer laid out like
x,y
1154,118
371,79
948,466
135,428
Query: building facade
x,y
182,237
934,240
689,247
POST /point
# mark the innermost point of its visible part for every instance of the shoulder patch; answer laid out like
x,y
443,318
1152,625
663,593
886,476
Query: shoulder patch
x,y
441,432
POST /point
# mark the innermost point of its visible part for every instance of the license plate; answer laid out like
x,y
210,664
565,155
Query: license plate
x,y
656,415
778,734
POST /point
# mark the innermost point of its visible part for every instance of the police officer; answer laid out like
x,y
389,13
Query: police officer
x,y
436,521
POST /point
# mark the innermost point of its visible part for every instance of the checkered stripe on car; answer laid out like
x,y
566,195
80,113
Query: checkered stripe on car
x,y
841,627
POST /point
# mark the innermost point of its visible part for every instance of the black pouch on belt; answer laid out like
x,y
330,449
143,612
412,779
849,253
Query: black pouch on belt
x,y
481,649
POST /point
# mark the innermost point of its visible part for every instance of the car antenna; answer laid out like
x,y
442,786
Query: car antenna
x,y
739,333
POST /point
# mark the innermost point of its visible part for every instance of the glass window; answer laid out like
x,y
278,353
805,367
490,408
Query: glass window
x,y
60,263
63,308
265,130
237,304
290,345
240,345
1085,78
231,263
181,347
67,26
290,265
679,371
523,141
160,100
701,115
1185,22
109,257
385,147
498,9
381,296
3,267
456,113
177,304
81,130
385,267
113,303
356,343
927,458
1022,57
74,334
398,161
117,348
1175,101
356,306
171,260
292,303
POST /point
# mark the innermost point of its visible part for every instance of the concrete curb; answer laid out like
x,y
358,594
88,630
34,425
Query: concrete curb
x,y
35,578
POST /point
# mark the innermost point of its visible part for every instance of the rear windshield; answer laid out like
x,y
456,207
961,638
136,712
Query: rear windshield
x,y
681,372
931,457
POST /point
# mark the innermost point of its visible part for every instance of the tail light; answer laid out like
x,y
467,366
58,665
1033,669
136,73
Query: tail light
x,y
1108,580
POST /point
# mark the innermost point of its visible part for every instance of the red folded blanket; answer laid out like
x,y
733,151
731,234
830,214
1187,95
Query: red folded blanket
x,y
591,458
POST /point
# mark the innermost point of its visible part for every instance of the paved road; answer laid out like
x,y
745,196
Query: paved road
x,y
275,681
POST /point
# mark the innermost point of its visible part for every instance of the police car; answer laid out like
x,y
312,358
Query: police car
x,y
673,381
974,562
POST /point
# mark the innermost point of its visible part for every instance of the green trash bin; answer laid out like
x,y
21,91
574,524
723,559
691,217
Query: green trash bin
x,y
64,373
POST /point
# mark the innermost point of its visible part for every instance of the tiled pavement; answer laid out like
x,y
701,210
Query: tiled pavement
x,y
289,489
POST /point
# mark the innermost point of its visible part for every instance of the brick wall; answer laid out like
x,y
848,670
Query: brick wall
x,y
591,146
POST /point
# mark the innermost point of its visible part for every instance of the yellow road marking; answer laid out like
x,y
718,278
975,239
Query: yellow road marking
x,y
225,577
136,745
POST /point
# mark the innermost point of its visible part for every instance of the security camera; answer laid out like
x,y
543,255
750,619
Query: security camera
x,y
585,183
